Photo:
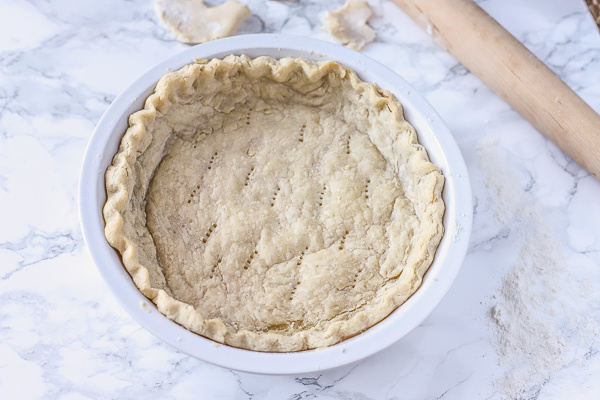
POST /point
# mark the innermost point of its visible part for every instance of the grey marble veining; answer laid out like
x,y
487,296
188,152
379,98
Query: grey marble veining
x,y
64,336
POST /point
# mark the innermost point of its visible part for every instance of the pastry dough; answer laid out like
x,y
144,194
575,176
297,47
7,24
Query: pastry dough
x,y
349,24
192,21
273,205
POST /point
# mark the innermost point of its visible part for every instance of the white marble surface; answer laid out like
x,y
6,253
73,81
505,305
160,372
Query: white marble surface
x,y
537,217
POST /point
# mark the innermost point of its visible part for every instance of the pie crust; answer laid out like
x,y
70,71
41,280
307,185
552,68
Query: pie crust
x,y
273,205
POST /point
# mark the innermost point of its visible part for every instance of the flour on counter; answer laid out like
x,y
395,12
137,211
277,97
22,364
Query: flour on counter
x,y
541,317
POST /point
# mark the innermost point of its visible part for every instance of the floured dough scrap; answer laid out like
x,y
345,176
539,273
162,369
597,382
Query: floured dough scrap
x,y
349,24
192,21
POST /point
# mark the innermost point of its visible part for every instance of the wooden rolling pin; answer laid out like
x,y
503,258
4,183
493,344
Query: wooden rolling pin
x,y
490,52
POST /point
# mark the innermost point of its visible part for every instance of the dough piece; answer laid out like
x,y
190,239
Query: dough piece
x,y
192,21
273,205
349,24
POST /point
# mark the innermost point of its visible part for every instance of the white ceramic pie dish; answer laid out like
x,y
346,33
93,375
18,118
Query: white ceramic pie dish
x,y
433,134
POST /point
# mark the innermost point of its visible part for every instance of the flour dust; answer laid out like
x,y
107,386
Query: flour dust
x,y
540,318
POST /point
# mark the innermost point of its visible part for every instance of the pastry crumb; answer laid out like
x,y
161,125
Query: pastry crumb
x,y
144,306
215,344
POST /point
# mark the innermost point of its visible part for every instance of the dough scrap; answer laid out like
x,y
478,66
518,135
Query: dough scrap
x,y
349,24
192,21
273,205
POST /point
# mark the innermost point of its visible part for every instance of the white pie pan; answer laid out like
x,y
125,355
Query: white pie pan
x,y
433,134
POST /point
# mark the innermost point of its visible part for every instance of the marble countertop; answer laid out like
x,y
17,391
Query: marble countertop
x,y
521,321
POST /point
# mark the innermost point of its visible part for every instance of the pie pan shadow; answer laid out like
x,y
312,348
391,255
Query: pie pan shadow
x,y
432,133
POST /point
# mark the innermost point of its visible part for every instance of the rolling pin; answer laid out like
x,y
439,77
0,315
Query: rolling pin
x,y
490,52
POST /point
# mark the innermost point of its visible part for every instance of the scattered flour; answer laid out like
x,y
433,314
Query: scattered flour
x,y
457,229
542,316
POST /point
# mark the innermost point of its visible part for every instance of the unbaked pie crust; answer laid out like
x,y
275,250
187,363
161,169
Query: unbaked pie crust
x,y
273,205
